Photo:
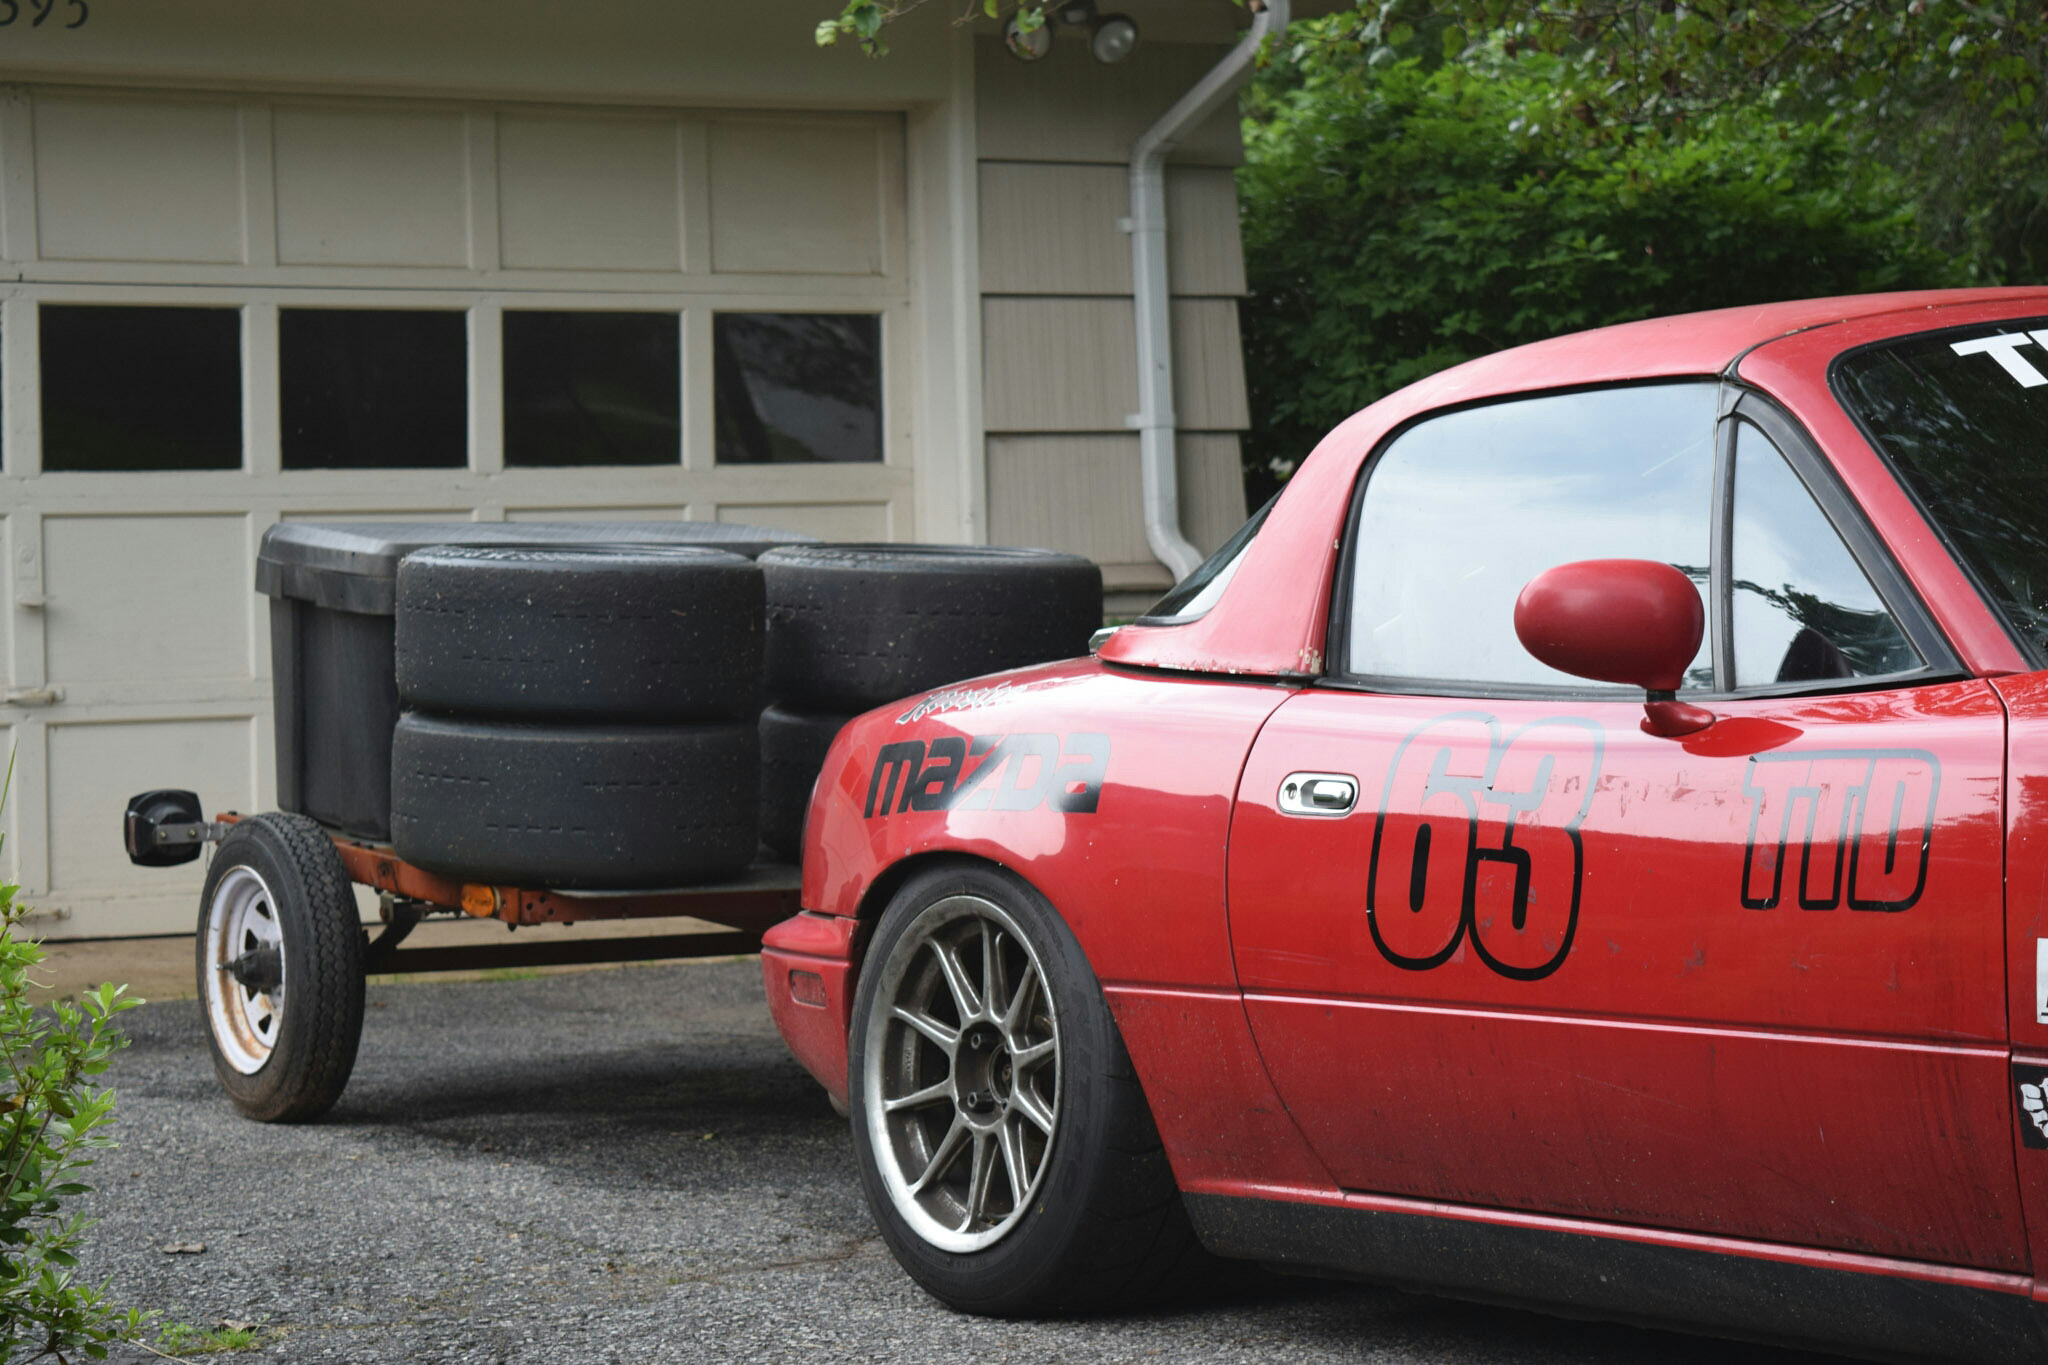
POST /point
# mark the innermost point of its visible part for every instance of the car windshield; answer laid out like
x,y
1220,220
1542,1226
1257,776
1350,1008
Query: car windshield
x,y
1963,417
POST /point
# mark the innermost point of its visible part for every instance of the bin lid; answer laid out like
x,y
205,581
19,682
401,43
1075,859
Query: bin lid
x,y
353,566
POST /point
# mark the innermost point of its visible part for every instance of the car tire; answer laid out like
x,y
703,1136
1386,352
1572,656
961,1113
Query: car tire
x,y
283,1029
600,632
793,749
854,626
575,807
1098,1218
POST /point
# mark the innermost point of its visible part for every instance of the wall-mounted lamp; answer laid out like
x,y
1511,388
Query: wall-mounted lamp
x,y
1111,37
1027,45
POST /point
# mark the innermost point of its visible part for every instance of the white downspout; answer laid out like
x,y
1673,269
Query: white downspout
x,y
1155,417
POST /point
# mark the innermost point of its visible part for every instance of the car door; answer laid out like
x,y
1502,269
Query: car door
x,y
1502,947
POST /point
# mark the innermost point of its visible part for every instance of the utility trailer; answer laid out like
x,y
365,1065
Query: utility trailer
x,y
282,958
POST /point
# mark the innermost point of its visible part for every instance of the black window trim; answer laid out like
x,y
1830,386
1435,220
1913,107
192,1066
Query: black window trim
x,y
2034,655
1825,487
1736,403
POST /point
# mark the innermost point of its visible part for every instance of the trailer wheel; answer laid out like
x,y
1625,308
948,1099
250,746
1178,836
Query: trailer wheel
x,y
280,961
855,626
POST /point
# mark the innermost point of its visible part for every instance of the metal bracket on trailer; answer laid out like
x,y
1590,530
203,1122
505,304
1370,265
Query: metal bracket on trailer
x,y
749,905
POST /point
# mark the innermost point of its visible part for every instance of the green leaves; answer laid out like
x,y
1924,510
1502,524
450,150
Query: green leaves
x,y
51,1122
1946,93
1402,219
864,20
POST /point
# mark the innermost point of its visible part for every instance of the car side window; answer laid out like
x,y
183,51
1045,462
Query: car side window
x,y
1800,608
1462,510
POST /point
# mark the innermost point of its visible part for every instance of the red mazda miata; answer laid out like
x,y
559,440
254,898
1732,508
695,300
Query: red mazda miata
x,y
1583,844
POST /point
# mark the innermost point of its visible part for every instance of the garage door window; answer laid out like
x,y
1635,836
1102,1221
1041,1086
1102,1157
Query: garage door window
x,y
592,389
140,388
363,388
798,388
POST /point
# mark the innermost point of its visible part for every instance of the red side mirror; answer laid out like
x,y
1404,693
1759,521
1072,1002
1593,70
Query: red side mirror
x,y
1630,621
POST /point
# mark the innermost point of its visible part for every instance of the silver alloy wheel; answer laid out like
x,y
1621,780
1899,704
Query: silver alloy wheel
x,y
241,920
961,1083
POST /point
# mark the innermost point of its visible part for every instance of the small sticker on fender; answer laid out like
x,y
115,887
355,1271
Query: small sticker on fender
x,y
2041,980
2033,1097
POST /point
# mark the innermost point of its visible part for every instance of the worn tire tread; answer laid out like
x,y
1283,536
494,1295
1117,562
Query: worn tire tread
x,y
317,1042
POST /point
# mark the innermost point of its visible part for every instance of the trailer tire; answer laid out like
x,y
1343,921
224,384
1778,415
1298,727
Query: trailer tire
x,y
599,632
283,1031
575,807
854,626
793,748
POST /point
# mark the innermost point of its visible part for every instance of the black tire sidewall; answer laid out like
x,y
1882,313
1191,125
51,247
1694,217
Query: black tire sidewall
x,y
794,745
322,942
608,633
1024,1271
857,626
575,807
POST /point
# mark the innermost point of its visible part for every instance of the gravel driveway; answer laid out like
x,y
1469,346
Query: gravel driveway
x,y
625,1165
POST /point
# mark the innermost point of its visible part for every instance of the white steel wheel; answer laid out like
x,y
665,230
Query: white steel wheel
x,y
1002,1138
963,1074
245,989
279,956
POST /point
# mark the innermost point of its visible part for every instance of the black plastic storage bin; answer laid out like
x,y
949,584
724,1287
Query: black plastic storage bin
x,y
333,592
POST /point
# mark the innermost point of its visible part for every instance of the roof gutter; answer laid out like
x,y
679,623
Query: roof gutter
x,y
1155,416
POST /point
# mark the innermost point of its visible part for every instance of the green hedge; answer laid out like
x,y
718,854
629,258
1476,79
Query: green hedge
x,y
1399,220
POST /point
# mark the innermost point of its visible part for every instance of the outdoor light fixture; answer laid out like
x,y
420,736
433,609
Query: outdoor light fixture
x,y
1027,46
1114,37
1111,36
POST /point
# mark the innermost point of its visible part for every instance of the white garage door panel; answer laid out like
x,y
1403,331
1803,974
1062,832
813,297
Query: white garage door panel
x,y
589,193
146,597
94,769
796,198
826,521
597,514
138,180
371,188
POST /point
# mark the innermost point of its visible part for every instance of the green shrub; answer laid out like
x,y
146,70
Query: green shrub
x,y
52,1119
1399,220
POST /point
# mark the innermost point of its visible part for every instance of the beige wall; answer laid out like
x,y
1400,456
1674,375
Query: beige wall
x,y
1058,345
759,52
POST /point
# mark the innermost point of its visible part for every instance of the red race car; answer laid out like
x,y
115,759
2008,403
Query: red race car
x,y
1583,844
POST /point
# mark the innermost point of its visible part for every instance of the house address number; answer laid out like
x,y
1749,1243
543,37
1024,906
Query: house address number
x,y
41,10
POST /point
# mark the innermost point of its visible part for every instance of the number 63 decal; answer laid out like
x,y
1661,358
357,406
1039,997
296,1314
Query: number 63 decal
x,y
1478,837
10,10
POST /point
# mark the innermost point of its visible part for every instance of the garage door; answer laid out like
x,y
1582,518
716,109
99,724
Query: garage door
x,y
237,310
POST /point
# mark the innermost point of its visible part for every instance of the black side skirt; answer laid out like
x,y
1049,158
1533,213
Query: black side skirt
x,y
1884,1316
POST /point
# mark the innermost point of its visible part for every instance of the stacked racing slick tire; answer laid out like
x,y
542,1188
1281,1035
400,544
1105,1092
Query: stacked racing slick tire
x,y
578,717
793,749
852,627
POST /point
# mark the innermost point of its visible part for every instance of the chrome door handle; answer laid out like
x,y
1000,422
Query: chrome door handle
x,y
1318,793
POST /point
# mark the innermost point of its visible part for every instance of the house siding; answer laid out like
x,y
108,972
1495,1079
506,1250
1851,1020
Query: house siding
x,y
1059,348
